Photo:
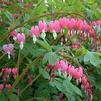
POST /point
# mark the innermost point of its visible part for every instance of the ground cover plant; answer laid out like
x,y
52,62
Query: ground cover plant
x,y
50,50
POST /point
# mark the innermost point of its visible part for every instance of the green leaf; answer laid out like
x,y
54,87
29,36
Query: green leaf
x,y
81,51
51,57
72,87
88,56
24,30
2,97
66,87
93,58
40,8
9,16
44,73
44,44
13,97
26,17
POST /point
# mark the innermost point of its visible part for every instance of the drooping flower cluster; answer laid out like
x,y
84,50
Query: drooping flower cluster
x,y
34,33
70,71
7,86
14,34
87,87
75,27
39,30
20,37
43,28
6,75
8,49
54,27
96,23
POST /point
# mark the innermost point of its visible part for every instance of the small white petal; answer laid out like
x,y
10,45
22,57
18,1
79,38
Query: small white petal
x,y
91,97
70,77
54,35
43,35
65,75
80,80
8,55
77,81
21,45
34,39
14,38
61,43
66,39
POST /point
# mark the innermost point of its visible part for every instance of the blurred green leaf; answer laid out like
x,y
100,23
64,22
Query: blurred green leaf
x,y
44,73
51,57
13,97
2,97
44,45
9,16
66,87
81,51
93,58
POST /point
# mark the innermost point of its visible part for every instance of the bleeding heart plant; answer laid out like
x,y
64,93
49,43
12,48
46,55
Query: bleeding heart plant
x,y
50,50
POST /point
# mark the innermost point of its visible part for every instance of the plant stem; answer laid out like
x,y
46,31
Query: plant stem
x,y
18,62
23,73
2,56
30,83
5,35
69,58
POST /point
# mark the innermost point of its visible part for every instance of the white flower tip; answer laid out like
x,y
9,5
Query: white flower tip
x,y
65,75
77,81
66,39
54,35
91,97
34,39
61,43
21,46
80,80
69,77
14,38
43,35
8,55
